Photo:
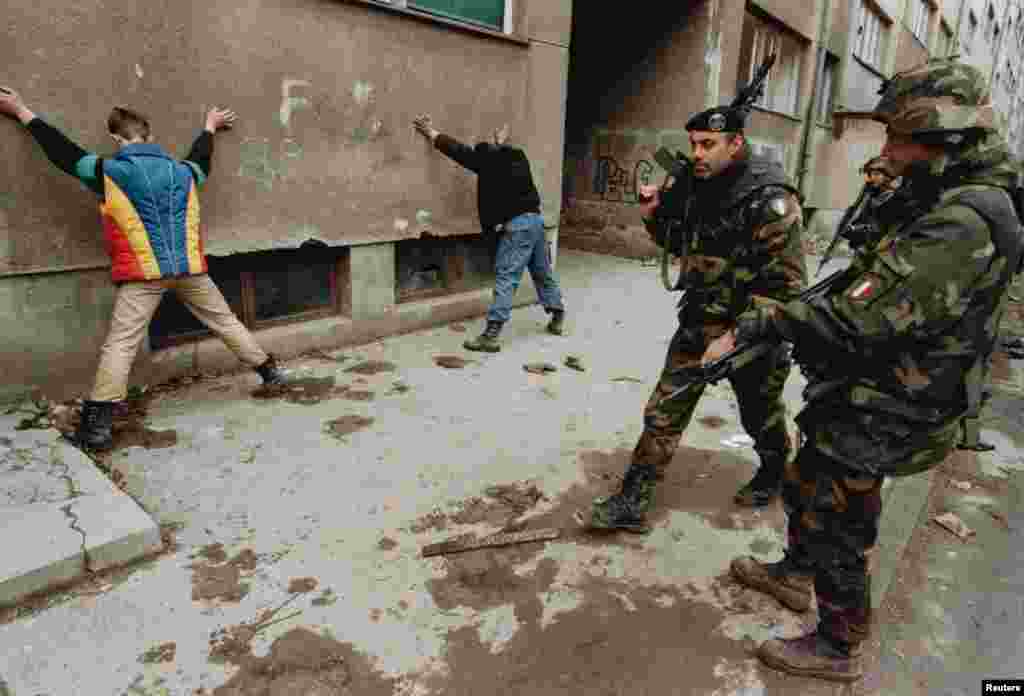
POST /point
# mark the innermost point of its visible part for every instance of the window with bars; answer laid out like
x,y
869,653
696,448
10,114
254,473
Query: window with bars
x,y
263,289
760,38
433,266
922,14
871,30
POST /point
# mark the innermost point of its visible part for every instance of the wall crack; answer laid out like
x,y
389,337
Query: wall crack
x,y
73,493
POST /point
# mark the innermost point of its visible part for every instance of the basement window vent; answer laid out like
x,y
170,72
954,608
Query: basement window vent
x,y
439,266
264,289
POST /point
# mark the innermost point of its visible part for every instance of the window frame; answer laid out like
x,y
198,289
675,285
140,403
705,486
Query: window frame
x,y
245,268
508,30
771,35
871,27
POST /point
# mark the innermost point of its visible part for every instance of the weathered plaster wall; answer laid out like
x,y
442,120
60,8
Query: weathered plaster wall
x,y
325,92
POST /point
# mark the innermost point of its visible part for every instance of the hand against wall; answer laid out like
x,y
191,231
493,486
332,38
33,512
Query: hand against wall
x,y
12,105
425,126
217,119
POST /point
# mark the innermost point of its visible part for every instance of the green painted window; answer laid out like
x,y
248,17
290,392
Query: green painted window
x,y
490,13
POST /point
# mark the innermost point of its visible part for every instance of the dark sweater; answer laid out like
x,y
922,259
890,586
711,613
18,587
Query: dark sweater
x,y
505,186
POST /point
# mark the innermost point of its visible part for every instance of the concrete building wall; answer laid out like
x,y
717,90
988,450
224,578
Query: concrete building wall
x,y
324,150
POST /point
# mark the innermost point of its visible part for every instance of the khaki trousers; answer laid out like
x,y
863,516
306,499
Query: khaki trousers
x,y
134,306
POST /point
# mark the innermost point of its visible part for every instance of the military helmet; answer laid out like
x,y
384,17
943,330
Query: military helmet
x,y
941,97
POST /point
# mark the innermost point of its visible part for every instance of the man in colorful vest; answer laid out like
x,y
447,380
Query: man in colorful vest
x,y
149,205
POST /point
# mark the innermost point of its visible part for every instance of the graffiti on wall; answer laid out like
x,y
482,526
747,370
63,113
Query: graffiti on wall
x,y
620,162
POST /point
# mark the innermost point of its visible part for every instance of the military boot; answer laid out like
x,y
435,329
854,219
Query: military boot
x,y
763,488
813,656
556,326
970,437
486,341
783,580
626,509
272,374
95,427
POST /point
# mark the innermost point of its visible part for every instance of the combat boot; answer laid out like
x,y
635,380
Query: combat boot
x,y
556,326
763,488
813,656
272,374
96,425
486,341
626,509
783,580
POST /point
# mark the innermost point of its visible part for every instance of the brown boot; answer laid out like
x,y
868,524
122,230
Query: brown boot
x,y
813,656
782,580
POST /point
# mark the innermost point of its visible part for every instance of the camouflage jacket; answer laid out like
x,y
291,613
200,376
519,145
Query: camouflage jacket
x,y
743,240
907,332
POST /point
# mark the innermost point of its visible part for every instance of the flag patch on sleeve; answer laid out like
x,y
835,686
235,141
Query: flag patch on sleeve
x,y
864,290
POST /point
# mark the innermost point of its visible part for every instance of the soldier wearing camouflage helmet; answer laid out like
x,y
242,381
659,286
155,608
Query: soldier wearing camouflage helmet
x,y
740,243
894,354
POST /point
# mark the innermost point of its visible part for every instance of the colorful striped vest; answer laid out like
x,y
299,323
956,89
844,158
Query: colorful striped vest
x,y
151,215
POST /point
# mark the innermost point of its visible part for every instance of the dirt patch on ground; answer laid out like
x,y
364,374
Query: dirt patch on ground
x,y
346,425
452,362
372,367
358,395
304,663
216,578
302,585
618,641
158,654
458,328
713,422
387,544
500,506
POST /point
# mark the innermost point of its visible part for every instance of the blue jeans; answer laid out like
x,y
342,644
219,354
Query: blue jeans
x,y
522,245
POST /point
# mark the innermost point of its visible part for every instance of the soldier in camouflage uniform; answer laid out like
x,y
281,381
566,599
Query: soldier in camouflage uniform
x,y
741,244
894,354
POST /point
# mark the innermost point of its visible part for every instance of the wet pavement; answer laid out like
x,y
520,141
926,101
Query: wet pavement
x,y
298,516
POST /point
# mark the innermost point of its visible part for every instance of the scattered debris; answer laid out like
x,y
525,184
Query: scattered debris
x,y
961,485
387,544
327,598
398,387
302,585
460,544
457,327
997,516
954,524
216,578
628,379
358,395
372,367
324,355
306,391
575,362
452,362
713,422
158,654
346,425
540,368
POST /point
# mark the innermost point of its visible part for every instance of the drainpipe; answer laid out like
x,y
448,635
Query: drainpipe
x,y
810,120
713,55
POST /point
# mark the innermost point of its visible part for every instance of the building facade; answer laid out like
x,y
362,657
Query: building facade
x,y
327,219
832,58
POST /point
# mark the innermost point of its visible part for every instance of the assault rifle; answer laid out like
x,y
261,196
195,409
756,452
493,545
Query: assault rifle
x,y
849,217
675,204
744,354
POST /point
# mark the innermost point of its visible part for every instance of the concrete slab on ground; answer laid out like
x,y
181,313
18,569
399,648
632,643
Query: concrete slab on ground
x,y
60,517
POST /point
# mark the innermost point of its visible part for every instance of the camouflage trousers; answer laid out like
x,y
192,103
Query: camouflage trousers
x,y
832,494
833,523
758,387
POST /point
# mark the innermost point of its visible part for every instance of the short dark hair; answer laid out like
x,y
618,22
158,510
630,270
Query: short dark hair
x,y
127,123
